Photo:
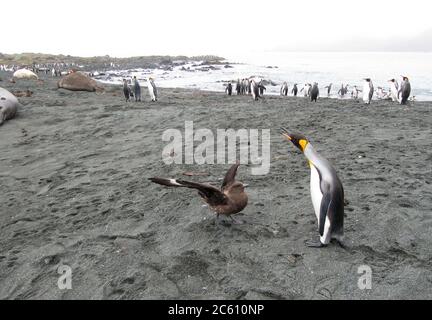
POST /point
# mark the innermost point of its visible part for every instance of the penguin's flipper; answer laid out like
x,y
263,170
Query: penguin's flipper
x,y
324,210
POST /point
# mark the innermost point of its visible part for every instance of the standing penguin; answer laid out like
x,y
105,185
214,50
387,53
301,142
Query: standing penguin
x,y
329,87
368,91
228,88
152,89
294,90
245,84
248,86
284,89
254,89
307,88
394,90
326,191
405,90
314,92
261,88
137,90
346,88
341,91
126,90
238,87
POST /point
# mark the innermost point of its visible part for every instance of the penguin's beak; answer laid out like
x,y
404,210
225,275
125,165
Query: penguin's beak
x,y
286,134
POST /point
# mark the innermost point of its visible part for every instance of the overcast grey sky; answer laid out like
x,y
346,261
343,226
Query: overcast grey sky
x,y
192,27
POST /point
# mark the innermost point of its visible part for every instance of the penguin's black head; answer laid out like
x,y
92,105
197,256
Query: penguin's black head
x,y
298,139
367,79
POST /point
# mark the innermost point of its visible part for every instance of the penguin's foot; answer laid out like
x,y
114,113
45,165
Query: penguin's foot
x,y
315,244
341,244
234,221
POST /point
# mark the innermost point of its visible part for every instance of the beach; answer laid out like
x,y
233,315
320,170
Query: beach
x,y
74,169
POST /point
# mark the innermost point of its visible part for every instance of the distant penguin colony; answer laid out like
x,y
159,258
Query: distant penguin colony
x,y
397,92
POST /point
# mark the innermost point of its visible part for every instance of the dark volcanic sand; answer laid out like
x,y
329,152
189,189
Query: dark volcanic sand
x,y
74,191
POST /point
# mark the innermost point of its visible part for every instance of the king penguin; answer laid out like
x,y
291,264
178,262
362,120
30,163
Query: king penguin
x,y
326,191
152,89
405,90
368,90
314,92
284,89
295,90
254,90
307,88
329,87
394,90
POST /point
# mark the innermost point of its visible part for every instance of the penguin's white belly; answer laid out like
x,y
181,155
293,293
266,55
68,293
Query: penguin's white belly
x,y
151,92
394,94
366,91
315,190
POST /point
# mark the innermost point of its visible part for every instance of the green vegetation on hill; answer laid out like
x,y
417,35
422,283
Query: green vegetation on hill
x,y
41,58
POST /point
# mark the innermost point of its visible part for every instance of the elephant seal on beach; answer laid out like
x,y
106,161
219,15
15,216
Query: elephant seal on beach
x,y
8,105
25,74
78,81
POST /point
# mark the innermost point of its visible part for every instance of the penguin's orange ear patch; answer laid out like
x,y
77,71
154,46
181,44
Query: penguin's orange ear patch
x,y
303,143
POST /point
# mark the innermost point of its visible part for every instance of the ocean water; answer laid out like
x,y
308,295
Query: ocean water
x,y
297,67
